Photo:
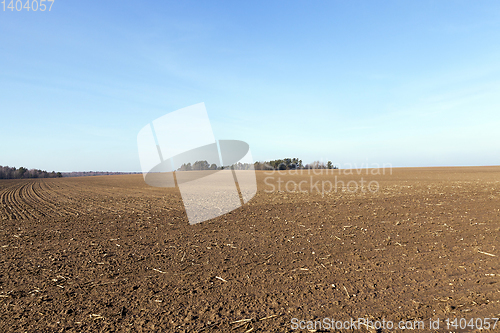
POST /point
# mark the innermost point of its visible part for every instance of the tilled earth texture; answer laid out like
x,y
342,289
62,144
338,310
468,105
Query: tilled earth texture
x,y
111,254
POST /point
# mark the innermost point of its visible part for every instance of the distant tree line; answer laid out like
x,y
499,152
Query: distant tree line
x,y
94,173
22,173
7,172
281,164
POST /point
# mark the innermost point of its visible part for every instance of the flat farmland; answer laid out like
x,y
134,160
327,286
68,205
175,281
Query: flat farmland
x,y
112,254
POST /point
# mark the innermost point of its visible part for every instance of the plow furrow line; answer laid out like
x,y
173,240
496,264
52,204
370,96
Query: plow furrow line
x,y
13,200
41,196
51,195
7,210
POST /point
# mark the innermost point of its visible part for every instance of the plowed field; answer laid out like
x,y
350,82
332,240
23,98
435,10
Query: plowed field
x,y
111,254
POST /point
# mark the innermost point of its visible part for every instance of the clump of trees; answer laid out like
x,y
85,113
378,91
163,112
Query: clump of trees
x,y
7,172
281,164
292,164
243,166
198,165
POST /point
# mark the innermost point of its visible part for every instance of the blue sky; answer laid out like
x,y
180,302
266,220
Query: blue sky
x,y
411,83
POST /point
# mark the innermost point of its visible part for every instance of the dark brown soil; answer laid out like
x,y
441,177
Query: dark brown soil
x,y
111,254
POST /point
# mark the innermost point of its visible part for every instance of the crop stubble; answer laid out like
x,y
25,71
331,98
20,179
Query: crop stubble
x,y
113,254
